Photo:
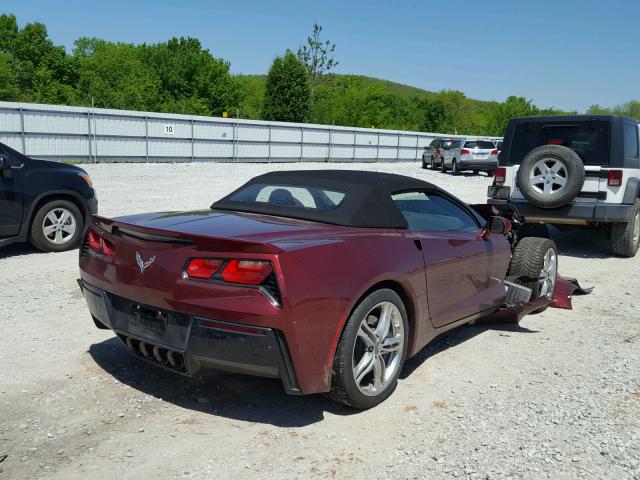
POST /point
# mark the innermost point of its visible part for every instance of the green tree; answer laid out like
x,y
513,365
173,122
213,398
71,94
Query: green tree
x,y
435,116
9,89
288,91
317,55
512,107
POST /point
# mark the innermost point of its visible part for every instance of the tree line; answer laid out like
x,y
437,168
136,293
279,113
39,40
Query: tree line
x,y
181,76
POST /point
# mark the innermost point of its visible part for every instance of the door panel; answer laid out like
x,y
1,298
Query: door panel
x,y
464,274
10,202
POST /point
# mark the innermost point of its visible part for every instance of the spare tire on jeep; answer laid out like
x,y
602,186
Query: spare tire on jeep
x,y
551,176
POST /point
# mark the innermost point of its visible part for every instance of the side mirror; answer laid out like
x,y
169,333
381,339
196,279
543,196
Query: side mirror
x,y
4,162
498,225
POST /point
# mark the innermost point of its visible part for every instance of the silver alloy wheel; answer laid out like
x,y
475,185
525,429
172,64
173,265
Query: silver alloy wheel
x,y
378,349
548,274
548,176
636,228
59,226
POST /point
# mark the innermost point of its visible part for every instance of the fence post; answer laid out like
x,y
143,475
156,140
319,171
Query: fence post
x,y
378,149
353,155
269,146
417,143
235,140
192,140
89,133
398,148
24,146
301,143
146,138
330,144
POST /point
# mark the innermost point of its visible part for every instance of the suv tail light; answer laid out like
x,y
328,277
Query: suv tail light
x,y
101,246
464,151
248,272
500,176
614,178
494,152
437,152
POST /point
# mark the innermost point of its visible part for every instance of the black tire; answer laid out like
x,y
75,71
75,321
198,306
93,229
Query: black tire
x,y
454,167
528,262
540,230
37,235
570,165
433,163
443,167
476,172
424,164
625,237
491,173
343,384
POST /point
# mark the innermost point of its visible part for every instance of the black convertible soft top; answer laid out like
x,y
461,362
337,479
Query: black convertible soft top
x,y
367,202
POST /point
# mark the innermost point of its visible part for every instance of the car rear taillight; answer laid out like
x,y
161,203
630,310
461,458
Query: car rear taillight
x,y
500,176
464,151
614,178
437,152
494,152
248,272
203,268
100,245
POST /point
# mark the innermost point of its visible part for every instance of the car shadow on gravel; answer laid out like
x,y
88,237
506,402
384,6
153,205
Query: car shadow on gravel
x,y
240,397
583,243
456,337
18,250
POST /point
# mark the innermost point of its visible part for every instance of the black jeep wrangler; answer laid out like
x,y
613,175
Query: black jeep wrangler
x,y
574,170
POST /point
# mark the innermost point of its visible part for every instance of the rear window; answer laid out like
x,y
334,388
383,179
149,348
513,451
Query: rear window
x,y
479,144
290,196
590,140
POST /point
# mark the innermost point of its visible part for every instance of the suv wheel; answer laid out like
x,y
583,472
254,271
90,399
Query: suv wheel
x,y
443,167
625,237
371,351
424,163
551,176
454,167
57,226
534,264
433,163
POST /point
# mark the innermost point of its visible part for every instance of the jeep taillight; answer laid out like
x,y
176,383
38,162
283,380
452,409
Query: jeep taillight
x,y
100,245
494,152
614,178
437,152
500,176
464,151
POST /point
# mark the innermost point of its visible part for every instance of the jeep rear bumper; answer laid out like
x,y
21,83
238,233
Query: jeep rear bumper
x,y
573,213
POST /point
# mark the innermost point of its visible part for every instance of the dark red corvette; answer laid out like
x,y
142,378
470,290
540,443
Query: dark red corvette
x,y
327,280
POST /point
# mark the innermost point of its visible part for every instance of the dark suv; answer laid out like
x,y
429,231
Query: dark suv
x,y
45,203
574,170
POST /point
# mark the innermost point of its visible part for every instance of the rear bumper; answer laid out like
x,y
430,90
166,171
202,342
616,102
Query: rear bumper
x,y
590,212
474,164
192,345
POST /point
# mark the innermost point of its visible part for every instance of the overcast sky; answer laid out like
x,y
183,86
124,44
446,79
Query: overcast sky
x,y
564,53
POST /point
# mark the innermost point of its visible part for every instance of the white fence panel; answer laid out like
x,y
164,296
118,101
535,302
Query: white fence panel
x,y
101,135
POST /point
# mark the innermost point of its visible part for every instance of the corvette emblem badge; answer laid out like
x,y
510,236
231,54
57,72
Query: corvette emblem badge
x,y
143,264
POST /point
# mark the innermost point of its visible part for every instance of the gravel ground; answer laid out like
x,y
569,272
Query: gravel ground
x,y
556,397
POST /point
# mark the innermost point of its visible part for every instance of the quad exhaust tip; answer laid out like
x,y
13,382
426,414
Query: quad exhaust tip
x,y
155,353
